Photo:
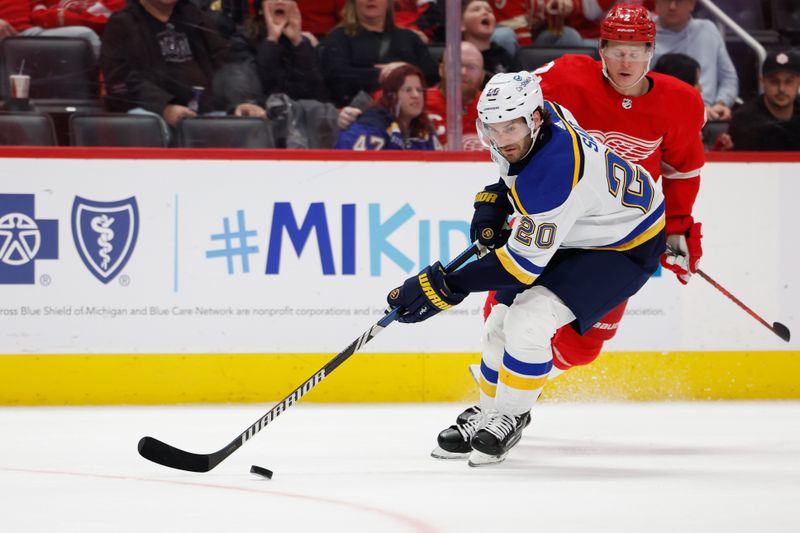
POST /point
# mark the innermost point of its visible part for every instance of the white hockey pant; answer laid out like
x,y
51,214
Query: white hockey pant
x,y
516,350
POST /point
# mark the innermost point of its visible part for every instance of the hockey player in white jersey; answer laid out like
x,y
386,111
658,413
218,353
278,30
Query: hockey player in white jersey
x,y
588,233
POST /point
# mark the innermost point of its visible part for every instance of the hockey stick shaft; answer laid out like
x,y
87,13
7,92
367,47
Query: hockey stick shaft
x,y
776,327
167,455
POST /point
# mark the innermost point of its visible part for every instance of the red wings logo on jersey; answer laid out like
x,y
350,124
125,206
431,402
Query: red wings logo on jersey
x,y
627,146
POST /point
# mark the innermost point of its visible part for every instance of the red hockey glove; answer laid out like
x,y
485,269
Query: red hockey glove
x,y
684,252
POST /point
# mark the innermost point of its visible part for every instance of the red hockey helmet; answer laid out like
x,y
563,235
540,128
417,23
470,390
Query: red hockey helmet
x,y
628,22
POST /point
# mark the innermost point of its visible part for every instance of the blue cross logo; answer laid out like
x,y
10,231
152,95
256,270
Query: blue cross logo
x,y
23,239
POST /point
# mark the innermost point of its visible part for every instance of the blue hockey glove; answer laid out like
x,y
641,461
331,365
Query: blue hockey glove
x,y
424,295
492,209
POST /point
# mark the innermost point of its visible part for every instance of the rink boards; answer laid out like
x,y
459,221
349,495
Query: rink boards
x,y
172,276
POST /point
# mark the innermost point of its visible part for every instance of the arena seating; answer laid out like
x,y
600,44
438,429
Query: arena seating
x,y
63,71
26,129
225,132
116,129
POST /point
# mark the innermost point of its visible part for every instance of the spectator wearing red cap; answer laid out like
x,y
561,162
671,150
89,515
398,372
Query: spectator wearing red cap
x,y
771,122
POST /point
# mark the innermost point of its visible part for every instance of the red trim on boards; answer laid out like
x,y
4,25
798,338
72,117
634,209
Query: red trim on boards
x,y
63,152
37,152
753,157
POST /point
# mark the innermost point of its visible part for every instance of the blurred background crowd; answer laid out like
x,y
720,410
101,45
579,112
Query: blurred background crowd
x,y
357,74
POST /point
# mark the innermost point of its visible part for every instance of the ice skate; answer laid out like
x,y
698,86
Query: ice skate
x,y
496,437
454,442
467,413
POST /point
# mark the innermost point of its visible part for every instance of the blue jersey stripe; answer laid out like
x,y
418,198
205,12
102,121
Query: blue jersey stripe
x,y
526,369
488,374
526,264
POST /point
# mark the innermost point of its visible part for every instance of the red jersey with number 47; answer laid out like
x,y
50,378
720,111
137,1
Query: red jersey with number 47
x,y
659,130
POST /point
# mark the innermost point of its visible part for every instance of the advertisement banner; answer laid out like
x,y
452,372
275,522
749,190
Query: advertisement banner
x,y
277,256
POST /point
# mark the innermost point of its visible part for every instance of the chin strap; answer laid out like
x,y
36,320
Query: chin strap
x,y
534,136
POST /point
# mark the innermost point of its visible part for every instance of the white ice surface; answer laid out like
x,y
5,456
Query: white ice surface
x,y
652,467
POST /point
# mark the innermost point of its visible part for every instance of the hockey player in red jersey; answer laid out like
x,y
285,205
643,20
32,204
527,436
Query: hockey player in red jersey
x,y
645,117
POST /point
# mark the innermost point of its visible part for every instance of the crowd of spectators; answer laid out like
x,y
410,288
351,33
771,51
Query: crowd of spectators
x,y
351,66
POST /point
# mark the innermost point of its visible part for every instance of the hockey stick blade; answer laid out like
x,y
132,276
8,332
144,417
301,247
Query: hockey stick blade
x,y
781,331
164,454
776,327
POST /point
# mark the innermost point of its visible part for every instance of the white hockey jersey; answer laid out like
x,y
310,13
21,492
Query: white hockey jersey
x,y
574,192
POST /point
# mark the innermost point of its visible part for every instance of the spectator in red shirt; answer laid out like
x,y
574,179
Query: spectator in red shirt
x,y
59,13
321,16
16,20
471,86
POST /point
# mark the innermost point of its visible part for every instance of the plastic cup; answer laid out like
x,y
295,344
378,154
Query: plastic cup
x,y
20,85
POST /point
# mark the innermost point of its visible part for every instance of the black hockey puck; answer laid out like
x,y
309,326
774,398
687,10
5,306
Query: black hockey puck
x,y
263,472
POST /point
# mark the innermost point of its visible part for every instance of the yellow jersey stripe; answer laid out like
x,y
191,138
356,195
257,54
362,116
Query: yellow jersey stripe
x,y
521,383
645,236
488,388
512,268
576,148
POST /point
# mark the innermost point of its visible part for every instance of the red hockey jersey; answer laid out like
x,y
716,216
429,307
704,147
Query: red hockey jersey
x,y
659,130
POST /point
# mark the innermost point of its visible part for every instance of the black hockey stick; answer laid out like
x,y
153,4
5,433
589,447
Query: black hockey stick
x,y
164,454
776,327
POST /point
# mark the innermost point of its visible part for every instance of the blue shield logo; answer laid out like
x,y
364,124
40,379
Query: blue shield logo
x,y
105,234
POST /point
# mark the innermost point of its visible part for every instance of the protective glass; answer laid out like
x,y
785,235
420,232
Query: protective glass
x,y
628,53
502,134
